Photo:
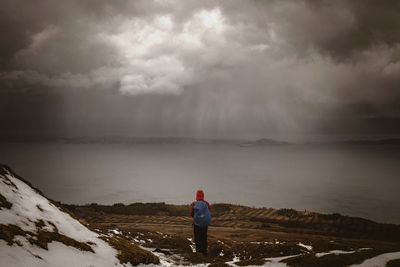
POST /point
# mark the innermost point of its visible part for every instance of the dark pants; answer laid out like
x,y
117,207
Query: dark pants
x,y
200,238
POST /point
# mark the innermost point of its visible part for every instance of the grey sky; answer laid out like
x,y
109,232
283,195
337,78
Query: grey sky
x,y
223,69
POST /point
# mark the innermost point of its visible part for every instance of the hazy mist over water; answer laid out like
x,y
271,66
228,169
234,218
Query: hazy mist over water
x,y
352,180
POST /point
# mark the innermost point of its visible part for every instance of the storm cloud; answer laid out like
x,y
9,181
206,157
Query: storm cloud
x,y
223,69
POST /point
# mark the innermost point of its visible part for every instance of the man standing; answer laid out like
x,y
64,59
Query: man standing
x,y
200,211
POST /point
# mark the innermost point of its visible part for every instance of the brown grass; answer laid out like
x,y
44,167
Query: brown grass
x,y
218,264
226,215
131,253
7,233
250,262
4,203
393,263
40,239
45,237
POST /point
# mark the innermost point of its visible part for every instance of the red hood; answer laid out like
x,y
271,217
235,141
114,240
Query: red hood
x,y
199,195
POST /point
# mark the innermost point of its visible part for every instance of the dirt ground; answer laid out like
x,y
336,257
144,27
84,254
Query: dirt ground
x,y
248,236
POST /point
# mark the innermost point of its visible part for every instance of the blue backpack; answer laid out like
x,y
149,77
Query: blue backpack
x,y
202,215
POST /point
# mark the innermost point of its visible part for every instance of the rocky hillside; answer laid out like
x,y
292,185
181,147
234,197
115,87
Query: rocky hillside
x,y
34,231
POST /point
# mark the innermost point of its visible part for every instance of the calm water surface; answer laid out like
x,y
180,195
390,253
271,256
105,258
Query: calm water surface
x,y
358,181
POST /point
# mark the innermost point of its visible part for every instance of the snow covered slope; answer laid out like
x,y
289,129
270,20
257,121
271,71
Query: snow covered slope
x,y
35,232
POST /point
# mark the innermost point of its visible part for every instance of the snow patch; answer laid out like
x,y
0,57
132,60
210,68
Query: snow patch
x,y
308,247
380,260
192,245
115,231
32,212
278,259
333,252
338,252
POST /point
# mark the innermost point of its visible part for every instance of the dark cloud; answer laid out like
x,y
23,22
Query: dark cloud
x,y
199,68
377,23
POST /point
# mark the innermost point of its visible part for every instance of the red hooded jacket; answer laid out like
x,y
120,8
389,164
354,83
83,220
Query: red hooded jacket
x,y
199,197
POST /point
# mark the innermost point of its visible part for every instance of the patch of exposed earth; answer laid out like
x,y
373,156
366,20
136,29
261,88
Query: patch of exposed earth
x,y
245,236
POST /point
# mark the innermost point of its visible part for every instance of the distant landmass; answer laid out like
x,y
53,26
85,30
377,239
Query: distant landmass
x,y
392,141
192,140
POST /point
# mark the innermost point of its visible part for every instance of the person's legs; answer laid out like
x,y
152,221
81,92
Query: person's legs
x,y
197,237
204,240
200,239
